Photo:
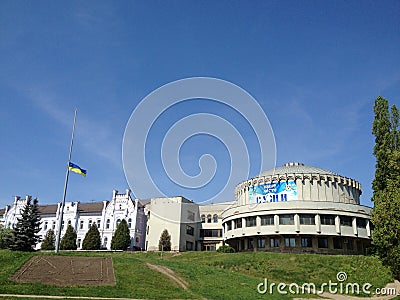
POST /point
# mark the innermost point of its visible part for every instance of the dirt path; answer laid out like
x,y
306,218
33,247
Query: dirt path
x,y
169,273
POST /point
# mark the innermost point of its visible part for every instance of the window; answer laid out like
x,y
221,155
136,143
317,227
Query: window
x,y
210,232
275,242
306,242
228,225
81,225
45,225
286,220
346,221
327,220
267,220
69,222
90,223
349,244
203,218
189,230
79,243
105,242
190,215
361,223
322,242
108,224
250,244
118,221
290,242
260,243
98,223
307,219
53,226
208,218
62,225
251,221
337,243
120,207
215,218
189,246
238,223
129,223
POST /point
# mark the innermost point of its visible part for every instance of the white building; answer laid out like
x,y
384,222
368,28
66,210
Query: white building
x,y
297,208
106,214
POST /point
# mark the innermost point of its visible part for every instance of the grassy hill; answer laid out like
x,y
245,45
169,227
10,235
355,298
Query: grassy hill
x,y
210,275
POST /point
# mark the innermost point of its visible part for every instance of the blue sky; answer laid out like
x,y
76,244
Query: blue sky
x,y
315,67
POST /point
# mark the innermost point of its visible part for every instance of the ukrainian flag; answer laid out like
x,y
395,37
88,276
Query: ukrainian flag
x,y
75,168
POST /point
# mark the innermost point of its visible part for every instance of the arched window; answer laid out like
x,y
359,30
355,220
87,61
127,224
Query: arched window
x,y
98,223
45,225
105,242
215,218
129,223
208,218
108,224
203,218
69,222
81,224
118,221
90,223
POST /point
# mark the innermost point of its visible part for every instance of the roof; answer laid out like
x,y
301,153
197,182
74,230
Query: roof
x,y
90,207
50,209
290,168
2,211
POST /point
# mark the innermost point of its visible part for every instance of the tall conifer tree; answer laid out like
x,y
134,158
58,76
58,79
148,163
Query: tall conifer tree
x,y
121,239
68,241
386,197
25,233
92,239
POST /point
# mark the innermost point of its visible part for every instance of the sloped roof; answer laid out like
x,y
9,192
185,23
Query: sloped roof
x,y
92,207
50,209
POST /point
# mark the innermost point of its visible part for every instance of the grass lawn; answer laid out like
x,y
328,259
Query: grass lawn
x,y
210,275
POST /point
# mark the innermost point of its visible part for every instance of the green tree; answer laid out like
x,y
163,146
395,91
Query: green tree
x,y
92,239
25,233
5,237
121,239
166,238
386,196
68,241
49,240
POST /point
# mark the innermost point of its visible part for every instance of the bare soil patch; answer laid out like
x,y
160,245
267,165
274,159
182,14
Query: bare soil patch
x,y
67,271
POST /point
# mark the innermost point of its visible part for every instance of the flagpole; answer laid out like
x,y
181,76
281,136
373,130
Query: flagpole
x,y
61,214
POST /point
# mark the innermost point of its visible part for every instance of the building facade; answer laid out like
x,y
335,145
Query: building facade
x,y
294,208
298,208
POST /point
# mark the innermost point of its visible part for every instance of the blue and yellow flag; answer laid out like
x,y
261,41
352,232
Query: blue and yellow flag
x,y
75,168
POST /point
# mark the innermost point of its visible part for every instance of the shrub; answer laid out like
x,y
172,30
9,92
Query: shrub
x,y
226,249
